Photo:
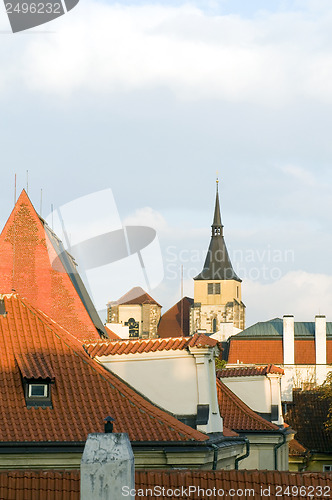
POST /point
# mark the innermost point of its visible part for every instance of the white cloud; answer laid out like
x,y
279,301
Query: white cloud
x,y
301,174
270,58
299,293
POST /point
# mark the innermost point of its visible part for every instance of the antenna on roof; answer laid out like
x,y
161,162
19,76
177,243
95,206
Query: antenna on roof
x,y
27,181
181,303
41,202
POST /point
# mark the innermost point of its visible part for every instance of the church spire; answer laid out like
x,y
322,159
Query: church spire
x,y
217,227
217,264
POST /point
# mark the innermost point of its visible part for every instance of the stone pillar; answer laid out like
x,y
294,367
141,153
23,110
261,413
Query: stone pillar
x,y
320,345
107,466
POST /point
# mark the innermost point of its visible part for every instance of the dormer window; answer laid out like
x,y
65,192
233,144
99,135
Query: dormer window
x,y
37,393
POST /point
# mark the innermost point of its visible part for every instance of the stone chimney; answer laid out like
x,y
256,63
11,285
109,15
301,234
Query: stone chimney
x,y
320,345
288,339
107,467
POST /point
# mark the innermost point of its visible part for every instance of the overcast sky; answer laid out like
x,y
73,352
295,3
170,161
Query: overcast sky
x,y
150,99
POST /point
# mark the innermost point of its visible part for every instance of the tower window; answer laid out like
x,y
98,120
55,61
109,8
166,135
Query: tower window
x,y
214,289
133,327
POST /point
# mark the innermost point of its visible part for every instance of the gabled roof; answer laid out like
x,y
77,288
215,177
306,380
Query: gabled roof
x,y
308,417
109,348
217,264
136,296
237,415
83,392
249,371
274,329
175,321
65,485
296,449
34,263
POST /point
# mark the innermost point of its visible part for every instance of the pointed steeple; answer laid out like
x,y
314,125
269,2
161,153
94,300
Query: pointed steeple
x,y
217,227
217,264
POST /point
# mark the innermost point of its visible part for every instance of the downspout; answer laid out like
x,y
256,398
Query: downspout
x,y
215,456
276,448
246,455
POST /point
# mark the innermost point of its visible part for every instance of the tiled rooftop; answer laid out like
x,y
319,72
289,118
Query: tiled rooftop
x,y
264,351
307,417
26,257
109,348
136,296
249,371
237,415
65,485
296,449
175,321
83,392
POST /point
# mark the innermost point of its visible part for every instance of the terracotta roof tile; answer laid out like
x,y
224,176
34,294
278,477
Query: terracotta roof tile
x,y
264,351
255,351
175,321
296,449
109,348
83,392
234,479
65,485
25,242
237,415
248,371
307,417
111,335
136,296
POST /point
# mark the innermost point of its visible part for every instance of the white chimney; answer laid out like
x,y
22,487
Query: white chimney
x,y
107,467
320,344
288,340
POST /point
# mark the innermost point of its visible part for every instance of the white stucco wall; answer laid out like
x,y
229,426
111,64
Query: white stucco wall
x,y
175,380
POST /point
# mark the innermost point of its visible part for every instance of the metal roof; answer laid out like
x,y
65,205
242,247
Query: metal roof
x,y
274,329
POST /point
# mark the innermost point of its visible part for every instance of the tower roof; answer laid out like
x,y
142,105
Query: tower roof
x,y
33,262
217,264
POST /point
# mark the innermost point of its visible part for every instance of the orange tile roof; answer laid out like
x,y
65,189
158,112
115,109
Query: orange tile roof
x,y
248,371
264,351
296,448
255,351
65,485
40,485
237,415
112,335
136,296
175,321
26,252
83,392
238,480
109,348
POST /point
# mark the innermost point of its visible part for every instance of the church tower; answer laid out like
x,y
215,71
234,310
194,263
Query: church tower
x,y
218,307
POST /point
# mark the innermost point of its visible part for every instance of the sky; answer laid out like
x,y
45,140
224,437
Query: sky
x,y
149,101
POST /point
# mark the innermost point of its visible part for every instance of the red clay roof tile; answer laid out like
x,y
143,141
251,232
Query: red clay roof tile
x,y
25,266
109,348
65,485
175,321
248,371
83,392
136,296
237,415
